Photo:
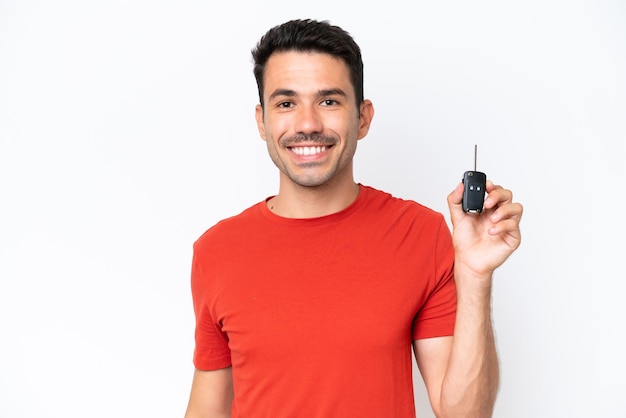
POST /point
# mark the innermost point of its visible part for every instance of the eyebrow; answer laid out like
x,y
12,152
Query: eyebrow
x,y
332,92
282,92
321,93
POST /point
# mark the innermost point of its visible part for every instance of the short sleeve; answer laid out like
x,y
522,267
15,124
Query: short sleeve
x,y
211,343
437,316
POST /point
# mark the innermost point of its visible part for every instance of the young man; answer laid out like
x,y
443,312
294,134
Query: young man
x,y
309,303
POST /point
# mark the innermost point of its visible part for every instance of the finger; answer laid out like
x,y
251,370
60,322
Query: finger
x,y
497,196
508,230
504,213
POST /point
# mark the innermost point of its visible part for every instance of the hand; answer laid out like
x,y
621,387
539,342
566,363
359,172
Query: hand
x,y
482,242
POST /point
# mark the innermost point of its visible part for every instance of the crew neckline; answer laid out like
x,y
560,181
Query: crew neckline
x,y
332,217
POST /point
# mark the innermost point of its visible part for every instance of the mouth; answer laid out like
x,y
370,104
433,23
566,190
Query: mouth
x,y
307,151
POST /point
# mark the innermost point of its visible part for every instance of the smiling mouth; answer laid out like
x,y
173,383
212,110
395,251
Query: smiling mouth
x,y
308,151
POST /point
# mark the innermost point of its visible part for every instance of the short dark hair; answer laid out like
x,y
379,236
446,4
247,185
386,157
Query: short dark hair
x,y
307,35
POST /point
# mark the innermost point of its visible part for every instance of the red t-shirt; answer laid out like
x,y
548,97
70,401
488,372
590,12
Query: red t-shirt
x,y
317,316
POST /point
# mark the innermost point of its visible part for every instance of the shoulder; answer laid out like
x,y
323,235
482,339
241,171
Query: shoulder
x,y
231,228
384,202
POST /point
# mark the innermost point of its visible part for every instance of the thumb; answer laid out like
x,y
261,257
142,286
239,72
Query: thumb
x,y
455,199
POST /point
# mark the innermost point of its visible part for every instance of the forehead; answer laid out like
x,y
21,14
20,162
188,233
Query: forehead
x,y
306,71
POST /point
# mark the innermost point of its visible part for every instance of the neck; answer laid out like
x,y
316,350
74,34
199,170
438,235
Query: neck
x,y
295,201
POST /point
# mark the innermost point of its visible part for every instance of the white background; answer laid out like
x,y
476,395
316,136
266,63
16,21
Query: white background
x,y
127,129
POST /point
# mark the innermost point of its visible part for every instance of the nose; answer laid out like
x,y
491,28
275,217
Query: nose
x,y
308,120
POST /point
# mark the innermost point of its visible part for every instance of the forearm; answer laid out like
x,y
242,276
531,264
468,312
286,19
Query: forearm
x,y
471,381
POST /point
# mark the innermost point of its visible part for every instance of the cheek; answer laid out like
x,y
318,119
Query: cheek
x,y
344,127
277,127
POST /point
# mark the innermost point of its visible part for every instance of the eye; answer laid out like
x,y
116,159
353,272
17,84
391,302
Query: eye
x,y
329,102
284,105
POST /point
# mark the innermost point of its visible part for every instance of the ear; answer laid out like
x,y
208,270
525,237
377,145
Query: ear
x,y
258,113
365,120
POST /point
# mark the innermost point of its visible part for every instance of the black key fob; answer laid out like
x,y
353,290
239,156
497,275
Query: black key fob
x,y
474,183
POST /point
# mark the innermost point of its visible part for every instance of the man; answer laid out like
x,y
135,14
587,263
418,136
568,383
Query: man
x,y
309,303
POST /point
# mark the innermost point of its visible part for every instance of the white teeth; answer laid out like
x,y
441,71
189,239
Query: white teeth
x,y
308,150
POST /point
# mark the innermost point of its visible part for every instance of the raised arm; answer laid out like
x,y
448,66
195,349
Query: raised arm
x,y
461,372
211,394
